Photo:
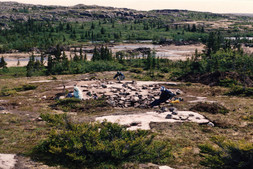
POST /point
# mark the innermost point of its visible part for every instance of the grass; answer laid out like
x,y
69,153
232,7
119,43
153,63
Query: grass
x,y
87,106
19,132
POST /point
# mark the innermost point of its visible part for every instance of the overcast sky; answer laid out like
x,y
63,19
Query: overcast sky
x,y
219,6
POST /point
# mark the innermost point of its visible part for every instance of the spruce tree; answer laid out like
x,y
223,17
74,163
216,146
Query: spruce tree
x,y
3,64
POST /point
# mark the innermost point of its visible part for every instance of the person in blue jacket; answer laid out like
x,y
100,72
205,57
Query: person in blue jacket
x,y
164,96
120,76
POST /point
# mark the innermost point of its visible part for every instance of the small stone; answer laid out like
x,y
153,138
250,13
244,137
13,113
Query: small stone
x,y
44,97
38,119
61,97
178,92
169,116
210,124
104,86
171,109
164,109
175,113
135,123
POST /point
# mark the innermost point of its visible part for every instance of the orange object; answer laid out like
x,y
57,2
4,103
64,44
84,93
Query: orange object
x,y
176,101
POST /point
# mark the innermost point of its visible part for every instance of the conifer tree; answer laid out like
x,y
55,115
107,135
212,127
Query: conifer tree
x,y
3,64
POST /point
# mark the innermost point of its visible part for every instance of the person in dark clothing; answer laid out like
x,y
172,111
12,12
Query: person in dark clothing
x,y
120,76
165,95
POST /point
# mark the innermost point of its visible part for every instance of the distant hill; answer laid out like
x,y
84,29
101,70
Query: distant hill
x,y
13,11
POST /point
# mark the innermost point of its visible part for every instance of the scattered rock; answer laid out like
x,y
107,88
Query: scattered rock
x,y
171,109
169,116
174,113
164,109
38,119
210,124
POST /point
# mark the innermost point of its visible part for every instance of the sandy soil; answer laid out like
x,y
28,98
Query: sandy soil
x,y
172,52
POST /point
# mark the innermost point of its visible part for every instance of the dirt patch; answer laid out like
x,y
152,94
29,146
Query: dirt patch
x,y
216,78
213,108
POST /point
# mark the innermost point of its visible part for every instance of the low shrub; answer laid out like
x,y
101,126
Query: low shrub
x,y
136,70
227,154
85,106
5,91
165,70
96,145
25,87
54,119
213,108
228,82
241,91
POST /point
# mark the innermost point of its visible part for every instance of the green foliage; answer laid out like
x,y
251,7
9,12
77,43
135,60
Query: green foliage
x,y
85,106
228,154
13,72
102,54
136,70
5,91
213,108
54,119
241,91
165,70
25,87
228,82
2,63
94,145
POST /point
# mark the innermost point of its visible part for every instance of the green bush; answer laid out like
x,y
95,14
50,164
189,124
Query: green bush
x,y
227,154
136,70
95,145
213,108
5,91
241,91
83,106
228,82
165,70
54,119
25,87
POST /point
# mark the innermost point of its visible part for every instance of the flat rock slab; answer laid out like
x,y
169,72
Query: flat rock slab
x,y
7,161
165,167
201,100
42,81
144,119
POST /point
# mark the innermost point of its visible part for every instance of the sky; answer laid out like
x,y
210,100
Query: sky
x,y
217,6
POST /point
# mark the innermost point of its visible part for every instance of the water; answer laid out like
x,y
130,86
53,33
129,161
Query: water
x,y
234,38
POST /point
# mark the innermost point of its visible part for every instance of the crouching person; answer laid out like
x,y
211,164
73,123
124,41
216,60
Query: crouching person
x,y
77,93
164,96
